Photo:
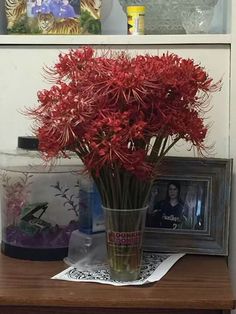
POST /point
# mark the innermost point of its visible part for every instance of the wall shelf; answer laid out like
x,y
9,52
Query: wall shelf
x,y
107,40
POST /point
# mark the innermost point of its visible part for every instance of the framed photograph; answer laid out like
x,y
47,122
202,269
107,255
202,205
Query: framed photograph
x,y
53,17
189,206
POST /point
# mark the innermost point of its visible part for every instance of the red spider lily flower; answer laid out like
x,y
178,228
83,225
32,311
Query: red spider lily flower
x,y
121,114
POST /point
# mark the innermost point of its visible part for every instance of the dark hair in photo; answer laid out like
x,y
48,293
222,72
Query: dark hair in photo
x,y
177,185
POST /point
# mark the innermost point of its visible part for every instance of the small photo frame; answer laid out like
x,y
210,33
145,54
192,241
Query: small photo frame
x,y
53,17
189,206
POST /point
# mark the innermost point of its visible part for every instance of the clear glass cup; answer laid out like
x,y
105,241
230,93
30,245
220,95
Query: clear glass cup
x,y
124,237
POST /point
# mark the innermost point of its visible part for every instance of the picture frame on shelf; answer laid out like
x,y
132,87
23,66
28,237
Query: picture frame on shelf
x,y
189,206
53,17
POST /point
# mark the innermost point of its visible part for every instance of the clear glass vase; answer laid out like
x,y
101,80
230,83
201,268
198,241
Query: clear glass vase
x,y
124,235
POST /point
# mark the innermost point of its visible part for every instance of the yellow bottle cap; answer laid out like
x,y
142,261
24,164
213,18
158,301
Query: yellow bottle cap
x,y
135,9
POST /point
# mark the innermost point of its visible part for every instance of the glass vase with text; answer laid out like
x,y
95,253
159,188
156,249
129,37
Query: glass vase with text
x,y
124,232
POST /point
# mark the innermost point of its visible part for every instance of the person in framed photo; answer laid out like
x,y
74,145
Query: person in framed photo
x,y
66,10
169,212
55,6
39,6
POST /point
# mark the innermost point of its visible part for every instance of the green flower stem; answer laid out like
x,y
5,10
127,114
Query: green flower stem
x,y
155,149
170,146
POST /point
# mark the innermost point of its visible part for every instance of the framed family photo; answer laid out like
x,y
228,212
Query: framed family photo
x,y
189,206
53,17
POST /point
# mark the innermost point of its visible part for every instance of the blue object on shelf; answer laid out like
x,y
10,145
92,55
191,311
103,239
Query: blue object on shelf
x,y
91,217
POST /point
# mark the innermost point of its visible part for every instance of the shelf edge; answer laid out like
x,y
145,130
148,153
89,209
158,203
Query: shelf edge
x,y
115,39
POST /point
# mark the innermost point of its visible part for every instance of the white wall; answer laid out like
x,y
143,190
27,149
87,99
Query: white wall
x,y
21,78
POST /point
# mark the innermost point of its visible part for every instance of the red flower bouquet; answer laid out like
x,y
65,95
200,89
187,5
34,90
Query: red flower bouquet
x,y
121,115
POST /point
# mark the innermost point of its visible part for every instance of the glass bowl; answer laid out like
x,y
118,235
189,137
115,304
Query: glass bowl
x,y
175,16
197,17
161,16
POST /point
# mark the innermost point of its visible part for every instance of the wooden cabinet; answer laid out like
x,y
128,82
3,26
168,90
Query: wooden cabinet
x,y
195,284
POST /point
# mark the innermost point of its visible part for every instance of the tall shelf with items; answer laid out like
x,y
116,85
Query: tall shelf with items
x,y
114,29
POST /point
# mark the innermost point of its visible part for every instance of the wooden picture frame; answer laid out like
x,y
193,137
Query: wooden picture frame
x,y
202,224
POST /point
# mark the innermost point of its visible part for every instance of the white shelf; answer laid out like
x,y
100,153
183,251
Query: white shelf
x,y
115,39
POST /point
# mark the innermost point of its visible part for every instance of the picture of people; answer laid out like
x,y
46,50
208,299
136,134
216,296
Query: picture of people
x,y
38,6
58,8
177,204
66,10
53,17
